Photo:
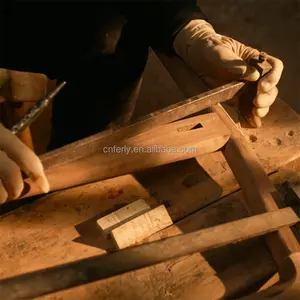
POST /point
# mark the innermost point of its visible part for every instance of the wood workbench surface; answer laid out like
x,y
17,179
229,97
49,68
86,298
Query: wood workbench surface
x,y
61,227
198,193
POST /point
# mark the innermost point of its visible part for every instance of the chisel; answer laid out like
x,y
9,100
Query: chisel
x,y
35,111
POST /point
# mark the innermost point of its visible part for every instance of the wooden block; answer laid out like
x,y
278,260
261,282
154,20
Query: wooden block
x,y
124,214
141,227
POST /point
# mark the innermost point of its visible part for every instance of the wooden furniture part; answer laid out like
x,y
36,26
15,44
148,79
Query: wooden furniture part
x,y
42,234
161,145
133,223
288,290
283,239
90,145
260,194
47,281
141,227
122,215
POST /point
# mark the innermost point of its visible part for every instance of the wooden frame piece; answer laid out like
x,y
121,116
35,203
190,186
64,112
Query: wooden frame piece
x,y
260,198
38,283
259,193
185,108
161,145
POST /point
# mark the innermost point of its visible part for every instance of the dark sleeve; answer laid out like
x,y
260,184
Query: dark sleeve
x,y
160,20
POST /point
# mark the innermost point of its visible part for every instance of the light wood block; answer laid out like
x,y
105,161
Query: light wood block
x,y
124,214
141,227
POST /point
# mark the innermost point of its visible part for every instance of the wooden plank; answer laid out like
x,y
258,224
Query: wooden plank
x,y
276,143
43,282
122,215
141,227
54,230
281,127
162,145
246,168
166,115
43,235
57,215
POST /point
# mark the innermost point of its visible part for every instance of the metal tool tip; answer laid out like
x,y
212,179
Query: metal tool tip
x,y
57,89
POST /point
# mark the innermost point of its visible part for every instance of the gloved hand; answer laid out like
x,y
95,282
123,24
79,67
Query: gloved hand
x,y
219,59
14,157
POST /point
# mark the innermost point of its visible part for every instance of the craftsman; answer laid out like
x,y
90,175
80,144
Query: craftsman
x,y
101,49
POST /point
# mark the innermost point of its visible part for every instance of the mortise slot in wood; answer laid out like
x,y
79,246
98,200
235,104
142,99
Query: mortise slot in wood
x,y
118,157
190,127
198,126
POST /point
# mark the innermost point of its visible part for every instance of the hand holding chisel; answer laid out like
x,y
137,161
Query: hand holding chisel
x,y
16,156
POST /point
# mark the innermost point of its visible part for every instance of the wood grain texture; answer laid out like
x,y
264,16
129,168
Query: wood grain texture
x,y
122,215
276,143
54,230
44,282
162,145
260,194
174,112
287,290
141,227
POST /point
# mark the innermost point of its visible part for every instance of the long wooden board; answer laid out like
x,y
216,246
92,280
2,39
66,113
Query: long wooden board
x,y
174,112
162,145
45,234
43,282
55,231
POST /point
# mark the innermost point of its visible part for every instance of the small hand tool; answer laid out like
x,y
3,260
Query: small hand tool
x,y
35,111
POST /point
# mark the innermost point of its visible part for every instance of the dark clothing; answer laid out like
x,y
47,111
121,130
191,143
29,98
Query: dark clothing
x,y
99,48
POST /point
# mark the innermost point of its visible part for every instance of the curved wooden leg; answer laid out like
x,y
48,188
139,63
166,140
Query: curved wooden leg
x,y
288,289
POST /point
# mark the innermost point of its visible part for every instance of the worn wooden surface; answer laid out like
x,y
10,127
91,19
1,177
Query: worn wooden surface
x,y
55,230
122,215
128,153
141,227
259,193
93,144
58,278
61,227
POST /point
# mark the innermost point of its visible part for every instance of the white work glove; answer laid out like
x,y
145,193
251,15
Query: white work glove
x,y
219,59
14,157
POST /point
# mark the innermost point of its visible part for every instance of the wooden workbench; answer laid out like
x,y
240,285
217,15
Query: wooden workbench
x,y
198,193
